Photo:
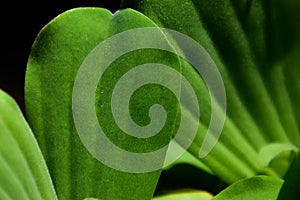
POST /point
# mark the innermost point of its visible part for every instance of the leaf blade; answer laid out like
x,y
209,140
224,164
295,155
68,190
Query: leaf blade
x,y
55,58
24,172
257,187
258,72
185,195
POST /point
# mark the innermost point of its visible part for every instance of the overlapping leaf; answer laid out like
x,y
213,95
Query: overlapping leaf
x,y
23,171
56,56
255,45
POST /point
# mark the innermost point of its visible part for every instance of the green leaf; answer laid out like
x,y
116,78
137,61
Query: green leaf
x,y
186,195
90,199
24,174
277,157
258,60
257,187
57,54
268,153
290,189
188,158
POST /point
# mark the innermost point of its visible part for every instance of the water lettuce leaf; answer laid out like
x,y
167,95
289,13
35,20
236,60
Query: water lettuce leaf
x,y
23,171
256,46
57,54
257,187
186,195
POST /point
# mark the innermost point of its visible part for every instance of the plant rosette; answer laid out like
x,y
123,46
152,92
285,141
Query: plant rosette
x,y
114,100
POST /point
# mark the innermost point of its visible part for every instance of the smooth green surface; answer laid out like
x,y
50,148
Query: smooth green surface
x,y
255,45
186,195
56,55
269,152
258,187
188,158
23,171
277,157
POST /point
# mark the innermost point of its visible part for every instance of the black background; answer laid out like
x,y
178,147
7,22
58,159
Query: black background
x,y
21,21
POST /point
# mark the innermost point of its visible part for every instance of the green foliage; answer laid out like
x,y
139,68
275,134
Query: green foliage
x,y
255,45
257,187
57,54
23,171
186,195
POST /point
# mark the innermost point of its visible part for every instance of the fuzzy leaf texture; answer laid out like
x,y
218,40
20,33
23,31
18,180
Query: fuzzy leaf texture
x,y
57,54
256,46
23,171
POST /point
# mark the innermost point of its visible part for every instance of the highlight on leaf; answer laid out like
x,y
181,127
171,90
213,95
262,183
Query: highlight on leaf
x,y
23,171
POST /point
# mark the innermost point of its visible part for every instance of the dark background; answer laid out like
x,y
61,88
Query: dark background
x,y
21,21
